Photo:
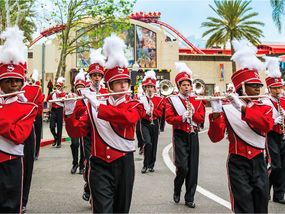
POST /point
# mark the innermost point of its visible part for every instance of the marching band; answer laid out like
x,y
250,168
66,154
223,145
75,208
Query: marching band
x,y
102,121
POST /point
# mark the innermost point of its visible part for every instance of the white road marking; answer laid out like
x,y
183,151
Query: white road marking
x,y
171,166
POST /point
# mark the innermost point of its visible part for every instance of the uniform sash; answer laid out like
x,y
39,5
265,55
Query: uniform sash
x,y
54,97
242,129
179,106
109,136
269,102
10,147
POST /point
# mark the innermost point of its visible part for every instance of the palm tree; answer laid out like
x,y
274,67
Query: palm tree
x,y
233,22
278,9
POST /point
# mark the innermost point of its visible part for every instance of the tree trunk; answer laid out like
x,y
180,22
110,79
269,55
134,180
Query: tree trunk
x,y
233,63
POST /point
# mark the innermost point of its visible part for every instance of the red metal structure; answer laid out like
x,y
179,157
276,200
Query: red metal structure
x,y
154,19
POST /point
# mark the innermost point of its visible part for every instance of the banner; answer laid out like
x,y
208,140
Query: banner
x,y
222,71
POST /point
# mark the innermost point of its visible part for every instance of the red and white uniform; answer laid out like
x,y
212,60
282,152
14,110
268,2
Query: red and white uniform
x,y
258,116
158,103
175,119
16,122
122,116
34,94
56,95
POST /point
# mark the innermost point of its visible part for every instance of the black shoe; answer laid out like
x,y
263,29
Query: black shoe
x,y
190,204
144,169
81,171
176,198
73,169
280,201
24,209
54,143
58,146
86,196
151,169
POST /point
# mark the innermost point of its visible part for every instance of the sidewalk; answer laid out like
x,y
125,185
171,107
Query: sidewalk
x,y
47,137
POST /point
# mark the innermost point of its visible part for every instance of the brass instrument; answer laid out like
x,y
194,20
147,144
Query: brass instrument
x,y
83,97
280,110
199,86
209,98
166,88
190,114
12,94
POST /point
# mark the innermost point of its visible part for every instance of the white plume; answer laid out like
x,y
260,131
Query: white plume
x,y
35,75
230,85
14,50
80,75
245,55
182,67
113,49
149,74
96,56
272,65
60,80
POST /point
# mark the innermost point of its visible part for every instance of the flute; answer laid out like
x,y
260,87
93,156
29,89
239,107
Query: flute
x,y
209,98
83,97
12,94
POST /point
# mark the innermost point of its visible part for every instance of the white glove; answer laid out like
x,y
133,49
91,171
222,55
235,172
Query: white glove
x,y
216,106
92,99
234,98
185,116
69,105
278,120
22,98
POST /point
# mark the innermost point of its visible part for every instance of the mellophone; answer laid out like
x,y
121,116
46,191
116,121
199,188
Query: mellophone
x,y
12,94
83,97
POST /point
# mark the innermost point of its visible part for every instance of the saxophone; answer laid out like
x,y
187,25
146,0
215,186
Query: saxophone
x,y
280,110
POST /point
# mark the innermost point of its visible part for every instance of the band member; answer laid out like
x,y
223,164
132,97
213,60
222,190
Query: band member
x,y
153,106
34,95
112,122
77,144
185,114
275,137
95,76
16,120
246,121
56,117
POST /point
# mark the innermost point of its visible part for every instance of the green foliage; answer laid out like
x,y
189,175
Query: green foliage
x,y
278,9
234,21
87,23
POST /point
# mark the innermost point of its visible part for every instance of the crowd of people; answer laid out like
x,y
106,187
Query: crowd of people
x,y
102,117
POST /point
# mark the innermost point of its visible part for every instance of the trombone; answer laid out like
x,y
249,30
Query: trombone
x,y
83,97
209,98
12,94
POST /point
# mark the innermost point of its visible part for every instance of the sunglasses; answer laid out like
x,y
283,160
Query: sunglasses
x,y
96,75
254,85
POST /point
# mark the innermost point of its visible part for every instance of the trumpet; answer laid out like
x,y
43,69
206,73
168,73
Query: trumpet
x,y
209,98
12,94
83,97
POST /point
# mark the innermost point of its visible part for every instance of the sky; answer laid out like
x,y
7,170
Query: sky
x,y
186,17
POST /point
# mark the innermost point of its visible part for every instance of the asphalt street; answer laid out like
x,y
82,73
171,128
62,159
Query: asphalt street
x,y
55,190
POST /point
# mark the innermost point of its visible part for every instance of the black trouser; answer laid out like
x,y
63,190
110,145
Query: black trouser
x,y
111,184
76,146
186,148
150,136
11,185
29,152
56,120
38,130
162,121
248,180
139,134
276,147
87,152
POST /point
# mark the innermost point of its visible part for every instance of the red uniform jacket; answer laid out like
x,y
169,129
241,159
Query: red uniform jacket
x,y
257,116
277,127
16,122
34,94
122,117
173,118
159,104
56,95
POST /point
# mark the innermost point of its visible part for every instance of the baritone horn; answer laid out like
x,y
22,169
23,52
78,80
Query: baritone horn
x,y
199,86
166,88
